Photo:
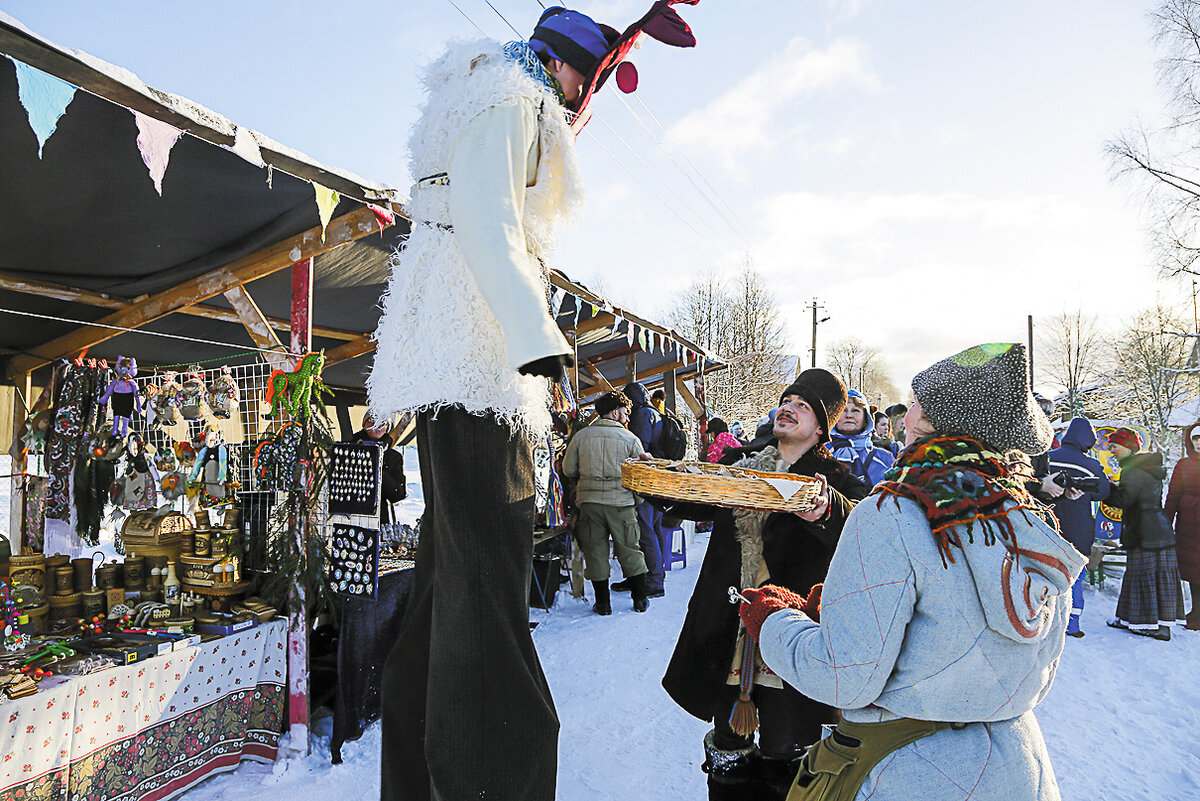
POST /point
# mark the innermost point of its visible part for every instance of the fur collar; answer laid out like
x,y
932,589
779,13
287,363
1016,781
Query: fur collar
x,y
748,523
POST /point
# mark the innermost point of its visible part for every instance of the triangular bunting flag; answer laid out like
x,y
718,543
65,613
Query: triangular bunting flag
x,y
556,299
578,309
642,340
327,201
246,146
595,309
629,333
387,218
44,97
155,140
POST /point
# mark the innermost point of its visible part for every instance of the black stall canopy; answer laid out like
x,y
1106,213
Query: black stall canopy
x,y
127,214
131,208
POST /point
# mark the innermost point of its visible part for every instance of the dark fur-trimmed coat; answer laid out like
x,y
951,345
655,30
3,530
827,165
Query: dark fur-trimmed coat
x,y
797,555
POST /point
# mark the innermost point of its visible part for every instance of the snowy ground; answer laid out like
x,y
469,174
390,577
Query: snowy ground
x,y
1122,721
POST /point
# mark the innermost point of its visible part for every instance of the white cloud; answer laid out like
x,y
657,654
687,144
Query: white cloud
x,y
741,118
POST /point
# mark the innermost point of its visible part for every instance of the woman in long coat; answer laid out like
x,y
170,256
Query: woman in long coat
x,y
1183,509
944,613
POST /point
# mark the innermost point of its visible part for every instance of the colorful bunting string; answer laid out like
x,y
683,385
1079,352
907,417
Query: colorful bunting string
x,y
245,145
45,99
155,140
327,201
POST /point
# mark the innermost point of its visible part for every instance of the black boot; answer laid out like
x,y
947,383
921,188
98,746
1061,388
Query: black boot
x,y
776,776
640,600
732,775
603,605
623,586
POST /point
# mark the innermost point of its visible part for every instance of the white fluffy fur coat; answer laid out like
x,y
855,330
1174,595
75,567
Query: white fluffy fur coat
x,y
438,342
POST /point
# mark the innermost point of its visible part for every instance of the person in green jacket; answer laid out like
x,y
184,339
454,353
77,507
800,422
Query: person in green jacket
x,y
607,509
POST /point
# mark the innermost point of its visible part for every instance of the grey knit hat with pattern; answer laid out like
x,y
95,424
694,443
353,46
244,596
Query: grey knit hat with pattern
x,y
983,392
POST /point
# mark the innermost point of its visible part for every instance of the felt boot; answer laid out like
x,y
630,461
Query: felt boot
x,y
775,776
623,586
603,605
732,775
640,600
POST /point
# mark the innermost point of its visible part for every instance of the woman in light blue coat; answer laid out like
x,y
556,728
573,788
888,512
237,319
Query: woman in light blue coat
x,y
943,614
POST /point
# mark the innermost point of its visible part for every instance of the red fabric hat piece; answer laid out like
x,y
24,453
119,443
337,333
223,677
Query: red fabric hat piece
x,y
661,22
627,77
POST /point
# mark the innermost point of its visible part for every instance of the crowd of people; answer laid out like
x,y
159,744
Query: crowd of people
x,y
904,612
891,641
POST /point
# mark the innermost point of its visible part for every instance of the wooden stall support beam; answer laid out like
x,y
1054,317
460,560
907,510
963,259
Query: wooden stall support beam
x,y
630,368
647,373
47,289
22,400
689,398
669,391
351,350
347,228
601,320
256,325
298,685
598,378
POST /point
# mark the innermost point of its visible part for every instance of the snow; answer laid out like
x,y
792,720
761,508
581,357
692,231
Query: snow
x,y
1121,721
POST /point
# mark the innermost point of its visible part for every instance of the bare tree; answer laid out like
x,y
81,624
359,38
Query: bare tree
x,y
861,366
1162,161
738,319
1149,379
1073,354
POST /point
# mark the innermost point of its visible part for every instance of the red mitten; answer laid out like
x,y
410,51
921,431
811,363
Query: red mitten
x,y
812,604
763,603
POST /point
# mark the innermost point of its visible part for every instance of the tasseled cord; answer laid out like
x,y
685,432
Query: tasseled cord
x,y
744,718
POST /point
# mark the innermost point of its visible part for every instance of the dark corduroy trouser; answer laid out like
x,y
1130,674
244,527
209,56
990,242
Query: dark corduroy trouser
x,y
467,712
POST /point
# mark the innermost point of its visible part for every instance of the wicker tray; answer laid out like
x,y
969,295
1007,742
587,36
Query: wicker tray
x,y
717,485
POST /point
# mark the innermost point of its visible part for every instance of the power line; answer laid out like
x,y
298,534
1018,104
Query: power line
x,y
468,19
506,22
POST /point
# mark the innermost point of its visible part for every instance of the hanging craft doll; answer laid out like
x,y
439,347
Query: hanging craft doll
x,y
223,394
211,471
194,396
140,479
123,395
163,400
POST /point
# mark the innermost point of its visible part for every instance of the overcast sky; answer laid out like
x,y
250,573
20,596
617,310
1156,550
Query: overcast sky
x,y
931,171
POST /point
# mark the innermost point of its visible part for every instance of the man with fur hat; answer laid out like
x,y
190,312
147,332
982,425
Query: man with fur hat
x,y
606,509
711,672
942,619
467,342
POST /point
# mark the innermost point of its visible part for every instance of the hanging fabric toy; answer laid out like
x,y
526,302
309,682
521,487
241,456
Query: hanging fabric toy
x,y
211,471
123,396
296,392
140,479
223,394
164,400
194,396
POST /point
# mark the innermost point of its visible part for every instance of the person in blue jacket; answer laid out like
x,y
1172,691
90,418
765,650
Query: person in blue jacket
x,y
646,423
852,443
1074,508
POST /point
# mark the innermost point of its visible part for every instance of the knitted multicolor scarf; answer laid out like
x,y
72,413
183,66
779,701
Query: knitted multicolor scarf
x,y
957,482
523,54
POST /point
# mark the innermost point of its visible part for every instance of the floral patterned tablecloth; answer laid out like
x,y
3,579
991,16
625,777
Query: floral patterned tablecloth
x,y
150,730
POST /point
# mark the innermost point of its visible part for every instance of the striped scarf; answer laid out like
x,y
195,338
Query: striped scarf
x,y
957,481
523,54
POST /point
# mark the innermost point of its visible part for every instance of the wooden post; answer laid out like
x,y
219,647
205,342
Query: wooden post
x,y
22,389
669,391
302,274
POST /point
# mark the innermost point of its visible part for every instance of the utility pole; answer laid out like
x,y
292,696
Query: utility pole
x,y
815,305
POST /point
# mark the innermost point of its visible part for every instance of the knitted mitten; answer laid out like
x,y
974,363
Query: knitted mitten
x,y
764,602
812,604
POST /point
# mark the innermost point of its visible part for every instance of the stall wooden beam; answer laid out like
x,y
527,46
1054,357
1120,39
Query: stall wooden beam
x,y
347,228
644,374
689,398
47,289
365,343
597,376
22,400
256,325
601,320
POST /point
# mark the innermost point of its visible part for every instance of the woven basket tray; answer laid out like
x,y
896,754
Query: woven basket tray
x,y
718,485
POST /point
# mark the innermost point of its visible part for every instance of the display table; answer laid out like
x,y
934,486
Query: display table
x,y
369,628
150,730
